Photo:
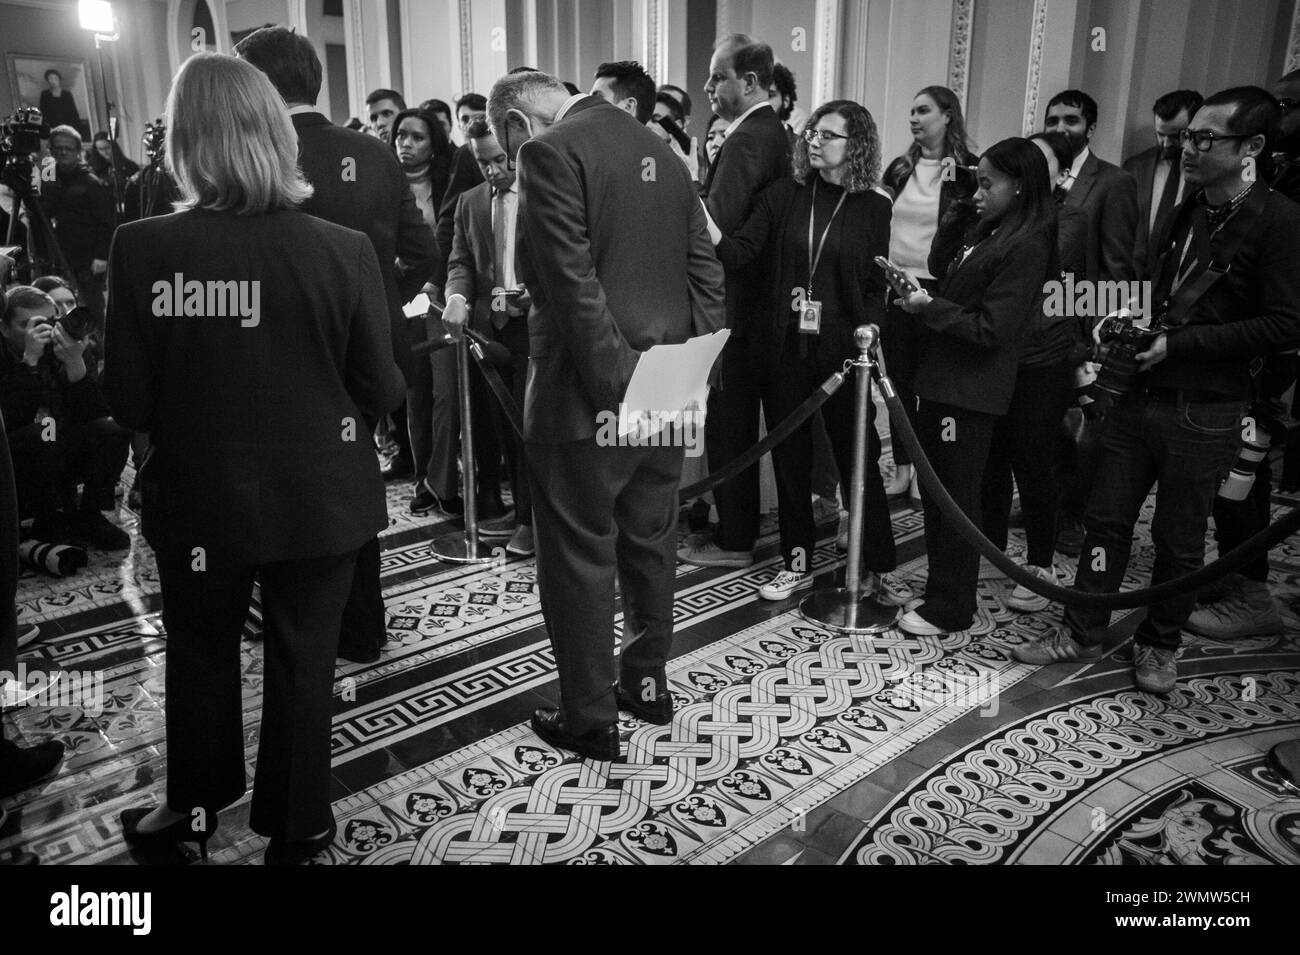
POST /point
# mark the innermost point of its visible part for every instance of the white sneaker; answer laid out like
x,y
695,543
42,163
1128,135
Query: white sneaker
x,y
900,481
888,589
785,583
1024,599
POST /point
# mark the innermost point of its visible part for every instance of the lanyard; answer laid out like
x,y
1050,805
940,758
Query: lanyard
x,y
812,214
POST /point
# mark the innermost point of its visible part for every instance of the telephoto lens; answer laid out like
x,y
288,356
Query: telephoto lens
x,y
1242,476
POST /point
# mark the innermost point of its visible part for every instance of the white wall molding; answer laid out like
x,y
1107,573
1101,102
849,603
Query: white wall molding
x,y
1293,43
826,32
463,16
1033,80
963,16
354,38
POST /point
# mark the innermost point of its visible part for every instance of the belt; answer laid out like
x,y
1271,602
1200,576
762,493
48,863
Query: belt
x,y
1184,395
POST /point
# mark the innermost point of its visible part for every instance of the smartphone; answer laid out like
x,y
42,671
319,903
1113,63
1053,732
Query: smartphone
x,y
676,132
903,285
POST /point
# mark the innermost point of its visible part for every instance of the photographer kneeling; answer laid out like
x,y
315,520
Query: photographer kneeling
x,y
58,423
1229,289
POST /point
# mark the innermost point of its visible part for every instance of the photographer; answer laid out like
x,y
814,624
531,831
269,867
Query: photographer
x,y
58,425
1178,423
152,190
81,207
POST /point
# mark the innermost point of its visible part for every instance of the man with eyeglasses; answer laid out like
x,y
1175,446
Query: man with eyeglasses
x,y
1159,176
1229,294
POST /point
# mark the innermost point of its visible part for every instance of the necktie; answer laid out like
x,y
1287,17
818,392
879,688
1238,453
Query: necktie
x,y
1168,199
499,315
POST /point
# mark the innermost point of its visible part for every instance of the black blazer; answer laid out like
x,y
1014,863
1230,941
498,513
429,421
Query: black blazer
x,y
261,448
755,155
863,226
1150,241
615,262
464,175
969,336
1109,196
376,201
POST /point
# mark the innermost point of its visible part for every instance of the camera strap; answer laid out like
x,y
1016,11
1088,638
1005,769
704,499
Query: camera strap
x,y
1188,292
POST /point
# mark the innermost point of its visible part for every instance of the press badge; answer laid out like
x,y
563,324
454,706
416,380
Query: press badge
x,y
810,318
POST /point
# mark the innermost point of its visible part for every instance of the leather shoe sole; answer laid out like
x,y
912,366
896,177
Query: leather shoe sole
x,y
600,743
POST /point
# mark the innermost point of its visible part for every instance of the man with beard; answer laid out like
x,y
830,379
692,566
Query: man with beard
x,y
1160,177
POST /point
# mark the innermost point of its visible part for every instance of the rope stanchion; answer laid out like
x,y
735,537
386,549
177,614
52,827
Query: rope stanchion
x,y
1237,557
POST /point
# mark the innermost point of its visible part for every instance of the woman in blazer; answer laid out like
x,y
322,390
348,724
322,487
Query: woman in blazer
x,y
932,184
831,198
250,341
969,337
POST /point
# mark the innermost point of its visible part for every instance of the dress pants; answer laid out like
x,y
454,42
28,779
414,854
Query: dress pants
x,y
418,410
805,362
731,428
8,559
898,345
363,627
597,510
1023,445
514,335
204,613
957,443
48,472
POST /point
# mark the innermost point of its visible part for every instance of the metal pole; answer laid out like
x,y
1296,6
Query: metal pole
x,y
464,548
845,608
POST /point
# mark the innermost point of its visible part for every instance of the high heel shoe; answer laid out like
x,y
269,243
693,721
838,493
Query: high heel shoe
x,y
298,851
171,836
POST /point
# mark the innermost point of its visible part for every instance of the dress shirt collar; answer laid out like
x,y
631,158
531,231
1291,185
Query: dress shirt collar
x,y
568,105
297,110
743,116
1076,166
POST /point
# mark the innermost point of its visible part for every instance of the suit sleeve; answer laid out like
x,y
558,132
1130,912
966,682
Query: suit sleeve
x,y
461,270
704,275
994,319
372,378
875,288
739,175
100,197
1119,222
417,249
465,175
132,347
741,247
554,218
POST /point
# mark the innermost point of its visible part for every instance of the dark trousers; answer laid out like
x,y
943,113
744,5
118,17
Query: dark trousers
x,y
204,613
1023,445
899,347
1235,522
597,510
957,443
1078,457
414,420
1183,447
363,622
797,376
515,337
92,453
8,559
731,429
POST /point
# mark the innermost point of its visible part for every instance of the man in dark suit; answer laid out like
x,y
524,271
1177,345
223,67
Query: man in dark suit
x,y
1160,177
618,260
754,154
1107,193
359,184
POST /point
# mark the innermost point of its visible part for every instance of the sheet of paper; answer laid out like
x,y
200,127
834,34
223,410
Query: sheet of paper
x,y
417,306
668,380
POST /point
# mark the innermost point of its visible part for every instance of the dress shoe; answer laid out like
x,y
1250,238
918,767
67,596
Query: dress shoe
x,y
360,654
399,468
497,527
95,530
168,837
22,767
711,555
600,743
298,851
658,711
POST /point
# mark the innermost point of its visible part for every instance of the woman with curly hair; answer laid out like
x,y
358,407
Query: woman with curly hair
x,y
818,234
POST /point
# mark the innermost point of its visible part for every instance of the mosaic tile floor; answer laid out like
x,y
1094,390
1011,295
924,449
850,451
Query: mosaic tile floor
x,y
789,745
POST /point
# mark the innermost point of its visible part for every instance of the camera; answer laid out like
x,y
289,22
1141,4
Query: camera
x,y
20,136
1122,342
155,137
78,323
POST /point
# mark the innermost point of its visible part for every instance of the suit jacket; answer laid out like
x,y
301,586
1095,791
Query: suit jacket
x,y
465,174
753,156
617,260
1109,196
971,333
471,271
377,202
261,449
1150,242
81,206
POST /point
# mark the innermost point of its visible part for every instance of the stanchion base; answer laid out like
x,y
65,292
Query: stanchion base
x,y
456,549
837,609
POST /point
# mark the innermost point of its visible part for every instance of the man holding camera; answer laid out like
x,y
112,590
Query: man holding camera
x,y
58,423
1229,294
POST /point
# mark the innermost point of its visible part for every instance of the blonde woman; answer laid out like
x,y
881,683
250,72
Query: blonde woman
x,y
247,338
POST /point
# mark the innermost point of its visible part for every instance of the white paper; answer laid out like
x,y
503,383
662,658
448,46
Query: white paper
x,y
670,380
417,307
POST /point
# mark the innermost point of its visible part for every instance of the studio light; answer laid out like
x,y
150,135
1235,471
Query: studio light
x,y
96,16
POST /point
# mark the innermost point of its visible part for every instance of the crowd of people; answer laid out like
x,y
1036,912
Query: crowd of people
x,y
539,232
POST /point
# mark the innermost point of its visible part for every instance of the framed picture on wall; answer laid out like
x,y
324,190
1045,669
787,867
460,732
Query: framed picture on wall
x,y
60,88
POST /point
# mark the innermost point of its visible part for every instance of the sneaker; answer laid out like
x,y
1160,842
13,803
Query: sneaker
x,y
498,527
785,583
1024,599
912,622
900,481
1216,590
27,633
1249,611
1055,646
1156,670
521,543
888,589
98,532
711,555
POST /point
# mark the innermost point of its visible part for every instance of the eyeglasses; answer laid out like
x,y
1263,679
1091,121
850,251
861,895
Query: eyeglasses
x,y
820,135
1204,139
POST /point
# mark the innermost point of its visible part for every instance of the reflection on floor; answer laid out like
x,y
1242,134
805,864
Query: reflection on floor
x,y
790,744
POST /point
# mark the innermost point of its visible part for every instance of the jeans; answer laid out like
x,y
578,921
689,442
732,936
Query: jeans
x,y
1184,447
